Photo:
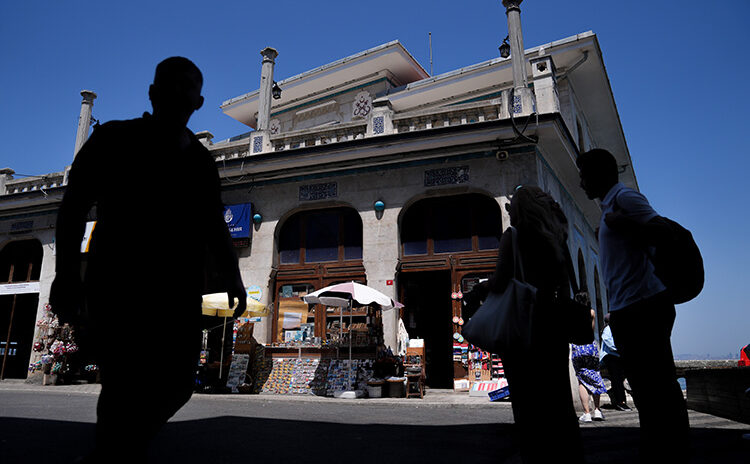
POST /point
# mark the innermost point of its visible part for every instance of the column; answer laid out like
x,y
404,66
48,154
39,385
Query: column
x,y
84,120
522,103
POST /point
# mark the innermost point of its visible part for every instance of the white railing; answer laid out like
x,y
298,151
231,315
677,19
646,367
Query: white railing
x,y
35,183
457,115
426,119
319,136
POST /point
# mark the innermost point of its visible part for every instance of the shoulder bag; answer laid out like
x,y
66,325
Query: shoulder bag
x,y
504,321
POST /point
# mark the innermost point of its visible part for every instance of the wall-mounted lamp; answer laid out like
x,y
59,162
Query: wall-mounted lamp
x,y
505,48
379,207
276,91
257,218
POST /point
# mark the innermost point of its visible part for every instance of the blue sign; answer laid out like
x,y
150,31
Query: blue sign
x,y
238,219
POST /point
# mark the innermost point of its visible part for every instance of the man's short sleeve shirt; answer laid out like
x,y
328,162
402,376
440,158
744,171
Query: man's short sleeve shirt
x,y
608,344
626,267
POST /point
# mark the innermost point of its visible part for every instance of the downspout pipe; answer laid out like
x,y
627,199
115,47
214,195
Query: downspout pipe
x,y
578,63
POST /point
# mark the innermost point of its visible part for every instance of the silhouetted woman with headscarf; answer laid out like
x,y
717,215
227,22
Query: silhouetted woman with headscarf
x,y
538,378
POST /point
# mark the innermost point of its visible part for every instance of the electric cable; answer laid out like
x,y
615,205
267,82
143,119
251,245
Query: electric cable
x,y
520,133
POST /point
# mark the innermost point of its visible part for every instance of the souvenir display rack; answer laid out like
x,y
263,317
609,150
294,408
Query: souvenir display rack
x,y
363,324
56,352
312,365
497,370
479,365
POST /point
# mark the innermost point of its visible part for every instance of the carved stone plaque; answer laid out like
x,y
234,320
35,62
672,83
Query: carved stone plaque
x,y
318,191
446,176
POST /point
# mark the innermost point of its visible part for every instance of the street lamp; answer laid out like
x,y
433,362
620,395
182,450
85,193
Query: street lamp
x,y
505,48
276,91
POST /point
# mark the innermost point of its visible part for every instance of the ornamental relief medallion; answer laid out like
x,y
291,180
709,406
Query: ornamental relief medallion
x,y
274,126
362,105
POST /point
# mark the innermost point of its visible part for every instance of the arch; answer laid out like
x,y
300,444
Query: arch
x,y
598,303
320,235
582,276
459,223
314,248
21,261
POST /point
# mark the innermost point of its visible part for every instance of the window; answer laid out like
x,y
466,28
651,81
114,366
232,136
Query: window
x,y
414,230
321,236
21,261
289,241
455,224
451,226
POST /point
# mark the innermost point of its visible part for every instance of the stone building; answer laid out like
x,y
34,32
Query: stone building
x,y
369,169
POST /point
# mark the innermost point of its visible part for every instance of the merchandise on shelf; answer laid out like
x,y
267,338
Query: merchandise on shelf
x,y
54,348
339,375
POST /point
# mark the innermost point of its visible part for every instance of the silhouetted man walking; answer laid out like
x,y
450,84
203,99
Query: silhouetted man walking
x,y
641,311
159,215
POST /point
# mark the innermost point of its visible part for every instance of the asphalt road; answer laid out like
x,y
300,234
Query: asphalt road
x,y
55,427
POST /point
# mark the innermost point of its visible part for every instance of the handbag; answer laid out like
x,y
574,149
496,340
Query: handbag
x,y
503,322
576,314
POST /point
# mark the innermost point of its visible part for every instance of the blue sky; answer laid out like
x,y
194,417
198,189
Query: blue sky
x,y
678,70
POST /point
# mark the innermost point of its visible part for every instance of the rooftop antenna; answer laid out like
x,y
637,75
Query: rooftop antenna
x,y
430,37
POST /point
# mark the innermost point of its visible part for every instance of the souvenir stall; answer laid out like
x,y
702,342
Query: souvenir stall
x,y
476,371
341,361
222,359
57,354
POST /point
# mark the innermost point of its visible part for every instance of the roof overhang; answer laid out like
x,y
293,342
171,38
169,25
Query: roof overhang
x,y
391,58
588,79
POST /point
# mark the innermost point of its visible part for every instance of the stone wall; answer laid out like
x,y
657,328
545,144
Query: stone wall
x,y
396,187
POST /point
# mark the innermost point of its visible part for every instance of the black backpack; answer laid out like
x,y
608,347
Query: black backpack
x,y
678,263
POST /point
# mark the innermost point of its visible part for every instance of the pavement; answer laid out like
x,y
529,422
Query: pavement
x,y
434,398
49,424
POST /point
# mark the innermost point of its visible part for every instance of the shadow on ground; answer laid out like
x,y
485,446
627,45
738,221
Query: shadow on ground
x,y
240,439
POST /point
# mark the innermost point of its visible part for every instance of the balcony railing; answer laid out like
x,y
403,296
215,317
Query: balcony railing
x,y
35,183
319,136
419,120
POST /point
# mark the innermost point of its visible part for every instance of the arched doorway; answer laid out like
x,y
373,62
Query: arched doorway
x,y
20,268
598,304
448,245
595,300
316,248
582,280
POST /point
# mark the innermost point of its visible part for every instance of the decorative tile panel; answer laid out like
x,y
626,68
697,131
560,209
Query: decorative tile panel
x,y
446,176
362,105
318,191
257,144
378,124
517,108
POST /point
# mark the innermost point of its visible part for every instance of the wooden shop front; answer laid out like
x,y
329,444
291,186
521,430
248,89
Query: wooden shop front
x,y
448,245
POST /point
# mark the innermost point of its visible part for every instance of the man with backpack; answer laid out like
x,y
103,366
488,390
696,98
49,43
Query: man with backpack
x,y
642,313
